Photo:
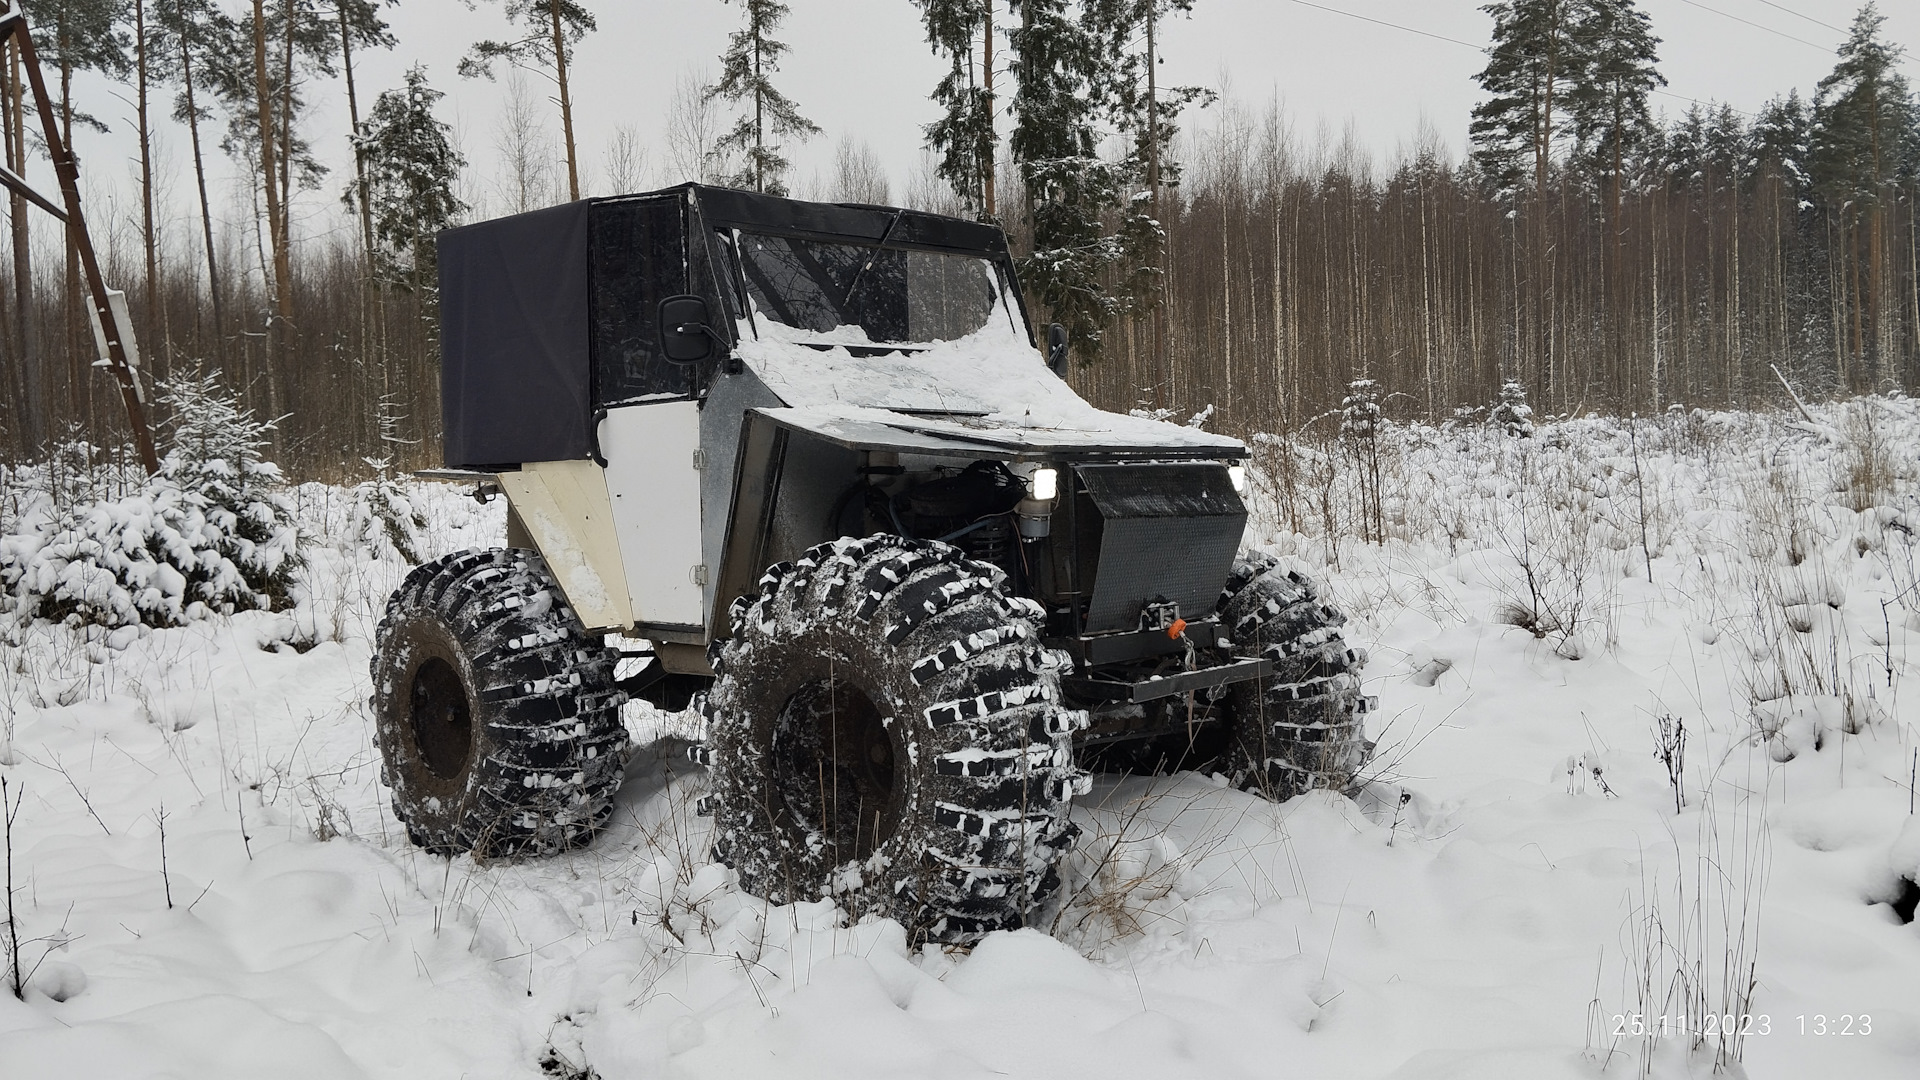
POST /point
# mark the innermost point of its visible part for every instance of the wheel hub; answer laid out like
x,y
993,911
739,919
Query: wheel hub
x,y
834,758
442,718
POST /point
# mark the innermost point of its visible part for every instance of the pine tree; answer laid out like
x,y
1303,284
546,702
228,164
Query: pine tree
x,y
215,455
195,27
1360,424
1146,114
1612,120
964,136
359,19
257,66
1533,65
383,519
746,77
1864,120
1862,115
211,533
1782,140
1068,187
411,168
553,28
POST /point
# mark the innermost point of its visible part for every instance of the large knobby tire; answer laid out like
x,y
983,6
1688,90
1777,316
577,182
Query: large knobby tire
x,y
887,731
496,715
1304,727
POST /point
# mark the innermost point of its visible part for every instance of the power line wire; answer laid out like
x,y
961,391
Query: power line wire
x,y
1394,25
1809,18
1757,26
1482,48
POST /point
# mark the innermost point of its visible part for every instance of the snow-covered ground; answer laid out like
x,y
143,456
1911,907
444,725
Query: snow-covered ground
x,y
208,882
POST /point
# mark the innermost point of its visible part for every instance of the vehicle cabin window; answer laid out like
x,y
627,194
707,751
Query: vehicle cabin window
x,y
881,295
639,258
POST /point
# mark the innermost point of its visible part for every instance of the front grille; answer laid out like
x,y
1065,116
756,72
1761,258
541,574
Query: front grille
x,y
1166,532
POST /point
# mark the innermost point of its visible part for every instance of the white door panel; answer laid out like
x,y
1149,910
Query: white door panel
x,y
655,485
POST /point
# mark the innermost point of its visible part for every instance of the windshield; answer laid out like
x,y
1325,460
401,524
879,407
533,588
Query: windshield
x,y
861,294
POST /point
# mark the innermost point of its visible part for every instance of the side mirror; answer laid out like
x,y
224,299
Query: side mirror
x,y
1057,349
685,336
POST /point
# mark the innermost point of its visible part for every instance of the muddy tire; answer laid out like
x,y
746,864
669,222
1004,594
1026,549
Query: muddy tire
x,y
496,716
1304,727
886,731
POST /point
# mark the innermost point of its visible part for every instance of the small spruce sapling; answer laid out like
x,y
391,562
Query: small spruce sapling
x,y
214,455
1511,413
383,517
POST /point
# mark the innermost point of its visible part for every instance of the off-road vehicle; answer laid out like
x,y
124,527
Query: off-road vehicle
x,y
811,456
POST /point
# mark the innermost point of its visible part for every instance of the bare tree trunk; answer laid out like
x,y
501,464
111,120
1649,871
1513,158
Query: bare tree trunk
x,y
1853,289
282,270
372,294
566,100
1736,372
79,392
269,172
986,74
359,154
759,125
200,181
33,411
154,311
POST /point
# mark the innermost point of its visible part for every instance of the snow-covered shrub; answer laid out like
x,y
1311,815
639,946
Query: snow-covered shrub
x,y
1360,411
383,519
214,454
1511,413
210,533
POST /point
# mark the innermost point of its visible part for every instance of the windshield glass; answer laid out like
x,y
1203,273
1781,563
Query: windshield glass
x,y
860,294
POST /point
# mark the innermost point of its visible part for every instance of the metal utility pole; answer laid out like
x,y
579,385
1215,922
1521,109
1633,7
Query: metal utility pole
x,y
114,327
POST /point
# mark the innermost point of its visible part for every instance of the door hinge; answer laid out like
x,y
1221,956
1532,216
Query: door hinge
x,y
699,574
699,459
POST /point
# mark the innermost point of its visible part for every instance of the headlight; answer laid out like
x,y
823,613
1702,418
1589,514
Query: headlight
x,y
1044,484
1238,474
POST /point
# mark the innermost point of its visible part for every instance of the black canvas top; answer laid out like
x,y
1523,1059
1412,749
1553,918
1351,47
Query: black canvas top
x,y
547,314
515,382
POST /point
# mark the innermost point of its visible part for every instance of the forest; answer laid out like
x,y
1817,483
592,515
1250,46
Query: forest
x,y
1599,250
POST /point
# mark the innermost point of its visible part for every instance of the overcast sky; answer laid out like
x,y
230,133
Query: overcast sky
x,y
861,70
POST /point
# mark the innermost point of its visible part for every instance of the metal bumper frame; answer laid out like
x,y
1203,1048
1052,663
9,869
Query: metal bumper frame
x,y
1157,687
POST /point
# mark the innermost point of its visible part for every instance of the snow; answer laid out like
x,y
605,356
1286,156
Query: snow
x,y
1485,908
990,385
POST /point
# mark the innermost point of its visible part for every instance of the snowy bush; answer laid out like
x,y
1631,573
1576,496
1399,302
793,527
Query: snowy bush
x,y
1360,411
383,518
1511,413
210,533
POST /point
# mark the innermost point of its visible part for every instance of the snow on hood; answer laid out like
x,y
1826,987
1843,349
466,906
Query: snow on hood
x,y
990,382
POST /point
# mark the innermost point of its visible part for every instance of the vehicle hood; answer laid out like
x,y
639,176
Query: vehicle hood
x,y
983,392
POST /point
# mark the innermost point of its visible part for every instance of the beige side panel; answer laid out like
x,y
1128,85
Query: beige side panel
x,y
564,506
